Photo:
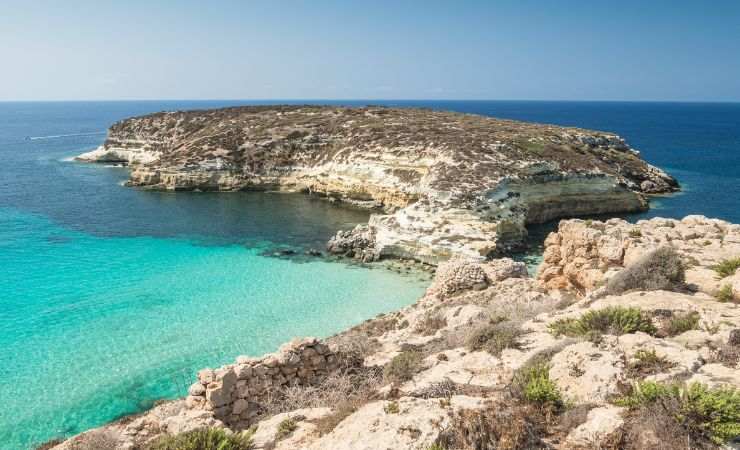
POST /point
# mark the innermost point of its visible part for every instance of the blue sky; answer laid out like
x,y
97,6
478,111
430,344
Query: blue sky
x,y
325,49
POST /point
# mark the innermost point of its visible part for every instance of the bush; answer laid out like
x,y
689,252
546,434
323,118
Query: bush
x,y
402,367
727,267
725,293
610,320
532,384
681,323
494,337
343,391
661,269
205,439
647,362
430,323
391,408
285,428
497,426
714,413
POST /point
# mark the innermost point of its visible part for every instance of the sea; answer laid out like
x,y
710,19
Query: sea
x,y
111,298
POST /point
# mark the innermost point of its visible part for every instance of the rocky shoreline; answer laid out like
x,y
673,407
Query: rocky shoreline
x,y
627,338
449,184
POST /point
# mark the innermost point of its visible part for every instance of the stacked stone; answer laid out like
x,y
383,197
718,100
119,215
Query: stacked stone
x,y
235,392
458,274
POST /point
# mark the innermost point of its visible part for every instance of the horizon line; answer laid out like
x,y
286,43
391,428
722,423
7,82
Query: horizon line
x,y
358,99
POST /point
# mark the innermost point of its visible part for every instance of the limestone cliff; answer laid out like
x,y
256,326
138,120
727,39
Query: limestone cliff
x,y
449,183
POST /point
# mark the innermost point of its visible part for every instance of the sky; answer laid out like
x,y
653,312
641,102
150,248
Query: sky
x,y
329,49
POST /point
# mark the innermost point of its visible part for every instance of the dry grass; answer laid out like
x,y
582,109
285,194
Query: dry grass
x,y
344,391
354,386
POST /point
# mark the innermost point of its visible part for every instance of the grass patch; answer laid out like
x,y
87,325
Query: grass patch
x,y
610,320
661,269
494,337
205,439
727,267
714,413
402,367
725,294
681,323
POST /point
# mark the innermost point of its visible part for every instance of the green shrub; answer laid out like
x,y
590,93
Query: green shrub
x,y
681,323
725,293
285,428
713,412
205,439
661,269
532,384
727,267
402,367
610,320
494,337
635,233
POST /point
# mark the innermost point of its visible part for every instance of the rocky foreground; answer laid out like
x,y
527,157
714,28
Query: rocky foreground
x,y
450,184
628,338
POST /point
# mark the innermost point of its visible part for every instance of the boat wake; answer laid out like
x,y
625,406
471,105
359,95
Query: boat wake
x,y
58,136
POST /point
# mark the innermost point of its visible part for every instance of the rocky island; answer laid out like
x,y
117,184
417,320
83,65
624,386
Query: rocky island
x,y
447,183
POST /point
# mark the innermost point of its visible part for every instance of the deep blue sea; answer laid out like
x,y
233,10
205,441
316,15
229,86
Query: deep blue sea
x,y
113,297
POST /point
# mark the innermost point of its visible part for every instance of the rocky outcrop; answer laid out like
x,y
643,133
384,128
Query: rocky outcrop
x,y
450,183
582,254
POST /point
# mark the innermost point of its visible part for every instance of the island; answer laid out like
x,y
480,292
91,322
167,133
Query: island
x,y
444,183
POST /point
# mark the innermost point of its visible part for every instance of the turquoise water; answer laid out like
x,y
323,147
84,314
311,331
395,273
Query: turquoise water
x,y
112,297
93,328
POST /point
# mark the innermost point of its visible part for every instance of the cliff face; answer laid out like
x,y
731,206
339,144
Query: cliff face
x,y
450,183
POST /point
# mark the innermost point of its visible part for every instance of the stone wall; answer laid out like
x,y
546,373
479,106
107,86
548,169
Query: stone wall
x,y
236,392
